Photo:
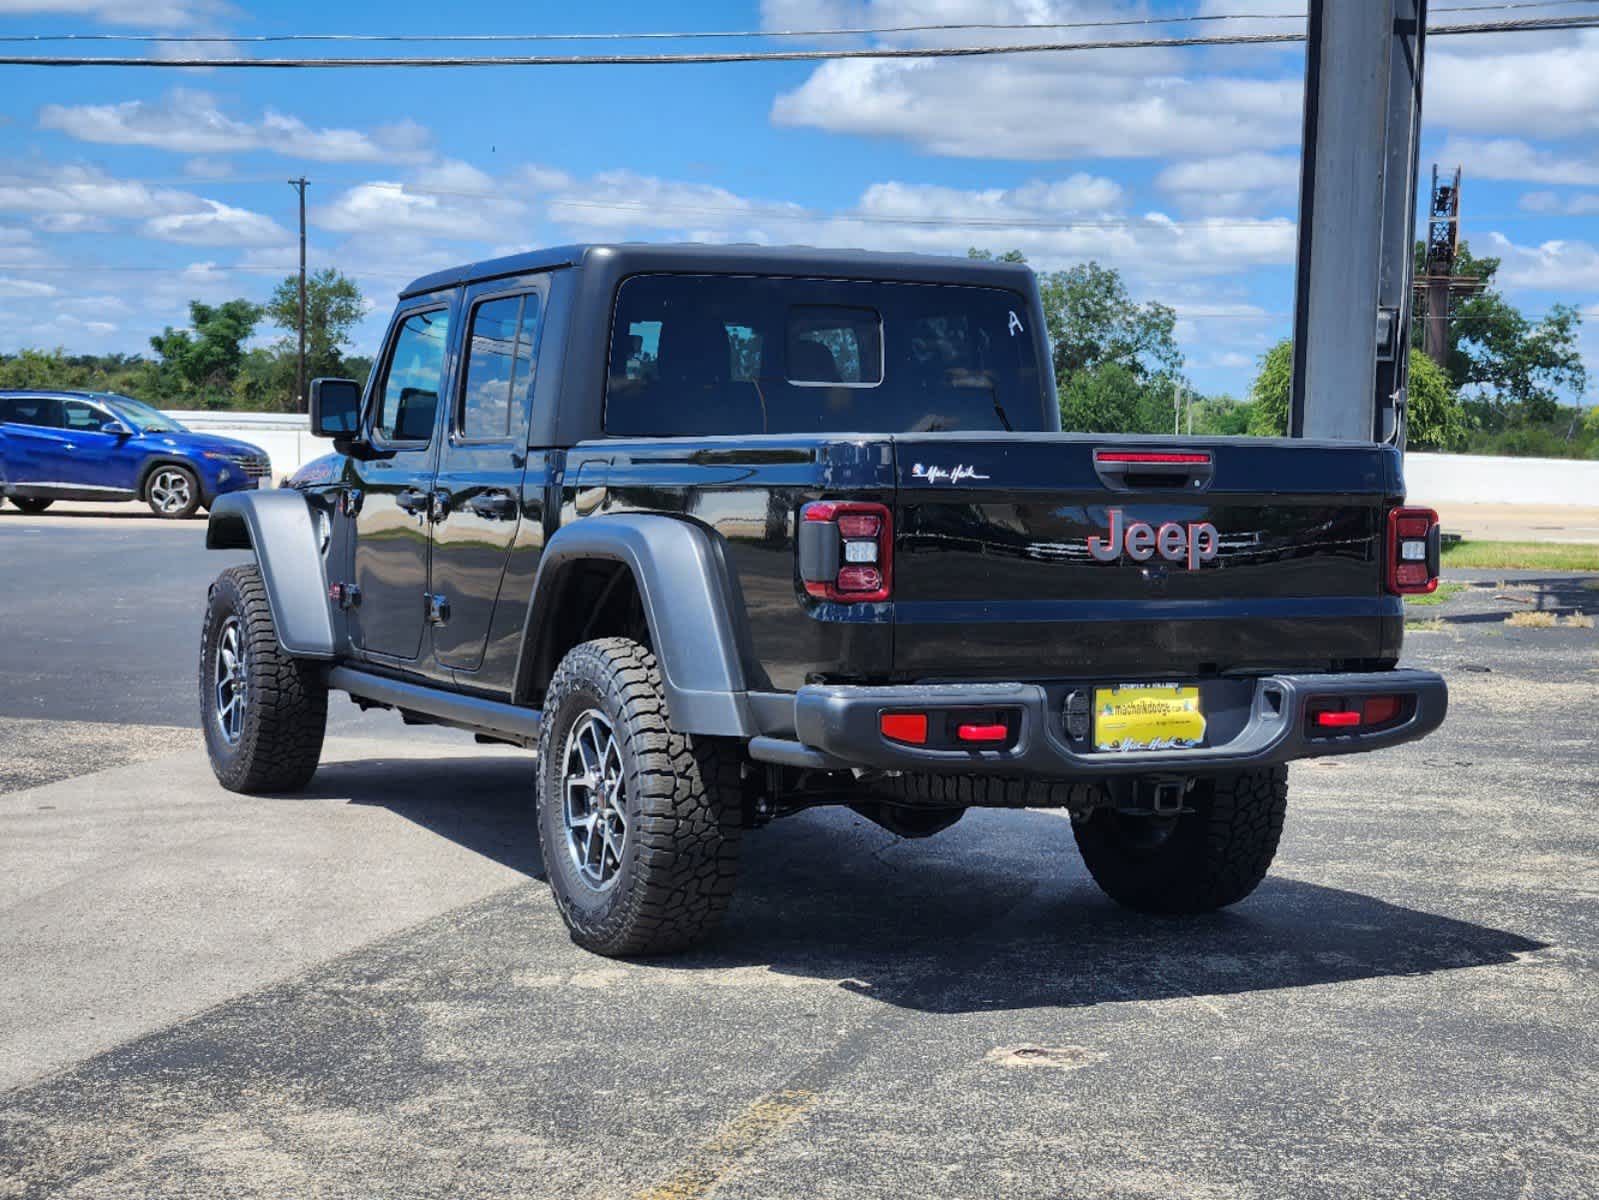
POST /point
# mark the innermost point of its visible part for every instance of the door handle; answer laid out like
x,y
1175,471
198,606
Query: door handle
x,y
494,505
439,506
412,500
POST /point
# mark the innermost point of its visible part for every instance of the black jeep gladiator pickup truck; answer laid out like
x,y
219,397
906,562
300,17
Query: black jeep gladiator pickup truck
x,y
730,532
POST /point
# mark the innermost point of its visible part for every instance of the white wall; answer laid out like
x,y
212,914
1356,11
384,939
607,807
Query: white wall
x,y
1482,479
286,437
1430,478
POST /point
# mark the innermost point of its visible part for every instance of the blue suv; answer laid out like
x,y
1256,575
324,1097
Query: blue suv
x,y
98,446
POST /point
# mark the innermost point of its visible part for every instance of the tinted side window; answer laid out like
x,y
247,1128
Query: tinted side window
x,y
78,415
43,411
499,367
410,398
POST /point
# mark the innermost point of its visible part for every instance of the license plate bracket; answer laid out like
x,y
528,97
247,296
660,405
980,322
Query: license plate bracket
x,y
1148,716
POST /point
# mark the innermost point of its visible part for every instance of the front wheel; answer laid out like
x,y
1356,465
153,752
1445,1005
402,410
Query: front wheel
x,y
639,823
1212,854
32,505
173,493
264,713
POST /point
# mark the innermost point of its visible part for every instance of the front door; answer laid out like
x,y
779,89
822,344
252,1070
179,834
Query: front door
x,y
482,462
101,460
393,484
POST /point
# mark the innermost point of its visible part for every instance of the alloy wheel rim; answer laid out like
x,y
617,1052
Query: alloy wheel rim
x,y
231,684
594,800
170,491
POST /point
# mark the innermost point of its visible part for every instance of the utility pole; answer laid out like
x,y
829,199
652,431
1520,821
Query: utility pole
x,y
1176,407
300,185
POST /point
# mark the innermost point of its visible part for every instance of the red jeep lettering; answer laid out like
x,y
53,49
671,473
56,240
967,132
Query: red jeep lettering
x,y
1196,543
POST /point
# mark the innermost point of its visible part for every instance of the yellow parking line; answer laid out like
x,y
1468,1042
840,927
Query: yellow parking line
x,y
712,1162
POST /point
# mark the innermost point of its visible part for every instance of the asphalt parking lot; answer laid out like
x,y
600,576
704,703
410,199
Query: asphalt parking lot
x,y
363,992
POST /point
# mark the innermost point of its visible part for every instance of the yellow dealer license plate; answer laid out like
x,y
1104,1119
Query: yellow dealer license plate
x,y
1147,716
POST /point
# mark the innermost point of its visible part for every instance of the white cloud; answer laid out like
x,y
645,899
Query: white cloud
x,y
192,122
1580,205
1512,83
1514,159
1559,265
217,224
88,192
453,200
1110,103
147,13
1233,183
27,288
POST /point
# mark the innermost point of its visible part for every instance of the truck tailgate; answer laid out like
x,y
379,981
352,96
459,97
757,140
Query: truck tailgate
x,y
1052,556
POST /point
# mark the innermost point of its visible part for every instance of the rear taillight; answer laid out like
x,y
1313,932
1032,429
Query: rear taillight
x,y
1412,551
846,550
1329,715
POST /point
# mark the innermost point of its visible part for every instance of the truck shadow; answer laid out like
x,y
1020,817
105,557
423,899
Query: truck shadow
x,y
997,913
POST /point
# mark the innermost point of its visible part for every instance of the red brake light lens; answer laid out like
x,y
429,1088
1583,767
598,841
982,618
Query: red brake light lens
x,y
1151,456
1411,566
857,552
982,733
1342,719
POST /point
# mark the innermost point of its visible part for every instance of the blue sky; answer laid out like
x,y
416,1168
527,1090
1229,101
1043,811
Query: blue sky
x,y
126,192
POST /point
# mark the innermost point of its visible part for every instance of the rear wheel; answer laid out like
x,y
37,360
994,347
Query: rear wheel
x,y
263,711
639,824
173,492
32,504
1209,856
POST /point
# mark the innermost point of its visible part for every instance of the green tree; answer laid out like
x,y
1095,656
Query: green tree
x,y
1093,320
1109,399
333,306
1268,395
1435,418
205,358
1492,345
1221,416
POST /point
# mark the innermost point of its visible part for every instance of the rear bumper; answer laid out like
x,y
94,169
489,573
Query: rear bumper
x,y
1258,723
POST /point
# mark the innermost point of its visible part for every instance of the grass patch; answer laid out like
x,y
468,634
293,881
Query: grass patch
x,y
1591,584
1532,620
1431,625
1535,556
1445,590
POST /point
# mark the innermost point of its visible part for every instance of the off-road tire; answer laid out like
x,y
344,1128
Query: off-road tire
x,y
683,801
32,505
286,698
1198,861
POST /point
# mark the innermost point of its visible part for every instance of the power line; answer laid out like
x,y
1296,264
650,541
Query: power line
x,y
709,34
1521,25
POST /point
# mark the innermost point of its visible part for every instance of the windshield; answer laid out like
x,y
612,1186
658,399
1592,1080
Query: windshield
x,y
702,355
148,419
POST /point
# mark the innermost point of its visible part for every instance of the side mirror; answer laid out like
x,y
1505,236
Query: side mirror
x,y
116,429
335,408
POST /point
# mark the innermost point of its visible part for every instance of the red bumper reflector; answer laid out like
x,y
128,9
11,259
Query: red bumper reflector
x,y
1379,710
904,727
982,733
1338,720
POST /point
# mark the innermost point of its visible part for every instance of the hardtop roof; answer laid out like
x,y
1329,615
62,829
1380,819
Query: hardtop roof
x,y
627,258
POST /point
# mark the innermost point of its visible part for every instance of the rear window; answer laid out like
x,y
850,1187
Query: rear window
x,y
701,355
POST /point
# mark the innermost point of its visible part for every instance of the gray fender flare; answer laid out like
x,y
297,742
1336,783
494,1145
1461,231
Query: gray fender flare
x,y
681,583
278,525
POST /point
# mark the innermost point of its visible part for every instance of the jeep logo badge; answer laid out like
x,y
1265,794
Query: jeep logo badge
x,y
1195,543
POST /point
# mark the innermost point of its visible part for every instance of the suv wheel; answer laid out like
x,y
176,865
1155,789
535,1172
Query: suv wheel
x,y
1206,858
263,712
173,492
639,824
32,505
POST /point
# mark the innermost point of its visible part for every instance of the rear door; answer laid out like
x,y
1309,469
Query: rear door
x,y
1070,556
478,488
31,440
